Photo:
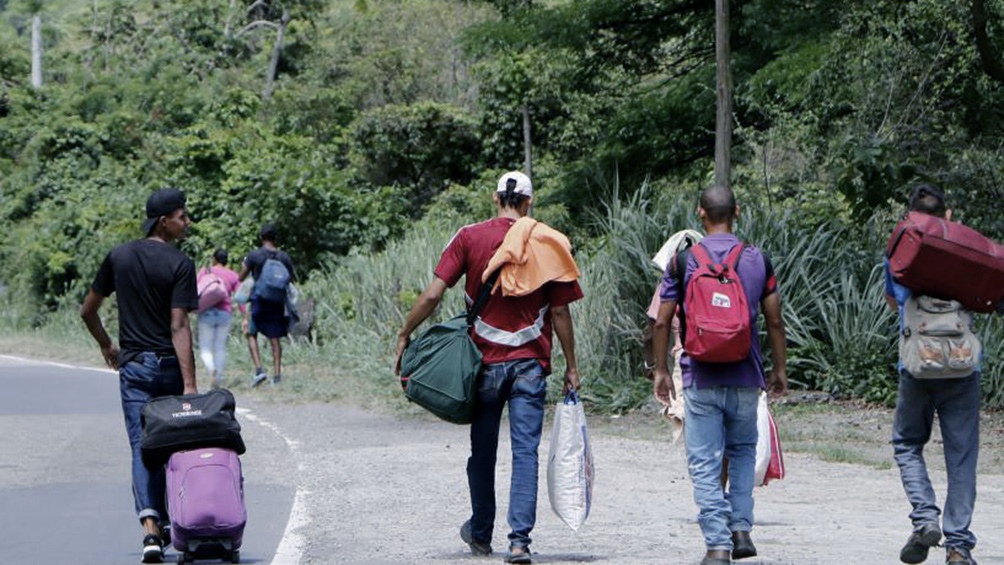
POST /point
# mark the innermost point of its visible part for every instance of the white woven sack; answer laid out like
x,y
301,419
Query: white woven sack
x,y
570,464
763,440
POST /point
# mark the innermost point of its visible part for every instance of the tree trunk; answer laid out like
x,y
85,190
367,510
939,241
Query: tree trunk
x,y
36,51
527,147
992,65
273,63
227,27
723,126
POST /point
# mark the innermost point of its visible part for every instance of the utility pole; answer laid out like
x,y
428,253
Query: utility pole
x,y
723,125
36,50
527,153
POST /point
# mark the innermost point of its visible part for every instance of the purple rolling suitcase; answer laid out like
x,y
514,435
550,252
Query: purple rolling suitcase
x,y
205,499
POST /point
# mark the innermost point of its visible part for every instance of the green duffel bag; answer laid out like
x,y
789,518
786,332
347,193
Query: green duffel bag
x,y
441,367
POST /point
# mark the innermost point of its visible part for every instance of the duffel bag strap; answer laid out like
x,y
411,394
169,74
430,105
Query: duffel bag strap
x,y
483,295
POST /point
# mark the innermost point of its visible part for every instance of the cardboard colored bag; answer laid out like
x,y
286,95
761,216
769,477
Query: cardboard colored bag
x,y
769,457
570,470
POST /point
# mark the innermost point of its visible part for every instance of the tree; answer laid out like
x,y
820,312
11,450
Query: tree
x,y
34,9
264,12
988,51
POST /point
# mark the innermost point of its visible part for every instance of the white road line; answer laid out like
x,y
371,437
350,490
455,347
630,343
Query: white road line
x,y
55,364
290,549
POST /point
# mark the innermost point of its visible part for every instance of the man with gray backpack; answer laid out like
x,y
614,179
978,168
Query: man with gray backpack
x,y
939,372
272,270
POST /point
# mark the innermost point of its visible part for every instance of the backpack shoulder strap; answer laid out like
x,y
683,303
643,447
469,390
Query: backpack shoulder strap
x,y
732,259
701,255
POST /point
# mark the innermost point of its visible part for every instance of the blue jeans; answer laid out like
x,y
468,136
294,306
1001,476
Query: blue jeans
x,y
214,330
957,403
146,377
721,421
523,385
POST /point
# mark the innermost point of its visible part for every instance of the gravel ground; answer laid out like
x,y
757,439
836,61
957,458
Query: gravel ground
x,y
382,489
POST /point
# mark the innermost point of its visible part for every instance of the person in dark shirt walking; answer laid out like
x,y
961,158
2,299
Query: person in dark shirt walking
x,y
154,283
268,311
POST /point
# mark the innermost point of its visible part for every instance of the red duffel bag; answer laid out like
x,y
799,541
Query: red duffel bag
x,y
943,259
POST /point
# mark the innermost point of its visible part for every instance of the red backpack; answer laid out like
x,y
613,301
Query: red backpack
x,y
717,316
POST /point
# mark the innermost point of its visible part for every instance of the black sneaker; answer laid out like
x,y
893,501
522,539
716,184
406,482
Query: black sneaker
x,y
742,545
477,547
275,380
920,543
153,549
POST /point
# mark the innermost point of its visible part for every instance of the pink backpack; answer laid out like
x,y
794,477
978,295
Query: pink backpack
x,y
212,290
718,328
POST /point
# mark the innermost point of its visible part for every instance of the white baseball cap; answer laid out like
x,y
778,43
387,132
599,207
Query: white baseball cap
x,y
521,183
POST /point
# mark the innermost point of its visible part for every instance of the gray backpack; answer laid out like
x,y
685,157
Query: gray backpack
x,y
937,341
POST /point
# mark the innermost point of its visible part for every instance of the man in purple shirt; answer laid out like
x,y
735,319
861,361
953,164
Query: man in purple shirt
x,y
721,398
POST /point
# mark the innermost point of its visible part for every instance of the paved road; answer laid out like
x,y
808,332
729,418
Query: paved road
x,y
65,493
329,484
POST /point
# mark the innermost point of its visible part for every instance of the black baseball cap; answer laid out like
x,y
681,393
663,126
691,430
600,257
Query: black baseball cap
x,y
162,202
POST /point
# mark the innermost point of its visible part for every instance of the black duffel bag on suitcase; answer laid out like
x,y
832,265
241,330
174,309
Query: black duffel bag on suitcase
x,y
189,421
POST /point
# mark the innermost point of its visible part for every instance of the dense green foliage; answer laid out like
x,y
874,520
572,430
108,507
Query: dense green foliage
x,y
373,128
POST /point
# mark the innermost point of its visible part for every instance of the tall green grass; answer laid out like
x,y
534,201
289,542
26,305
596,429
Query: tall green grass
x,y
841,334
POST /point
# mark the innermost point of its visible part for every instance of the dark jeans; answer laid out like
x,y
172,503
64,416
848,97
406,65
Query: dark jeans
x,y
147,376
523,385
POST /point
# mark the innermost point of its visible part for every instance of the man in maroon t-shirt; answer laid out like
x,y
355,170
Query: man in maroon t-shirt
x,y
514,336
721,398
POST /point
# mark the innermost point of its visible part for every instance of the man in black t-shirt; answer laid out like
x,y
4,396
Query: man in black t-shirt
x,y
267,314
155,287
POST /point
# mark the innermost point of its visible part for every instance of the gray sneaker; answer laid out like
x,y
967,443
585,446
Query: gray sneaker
x,y
259,377
920,543
477,547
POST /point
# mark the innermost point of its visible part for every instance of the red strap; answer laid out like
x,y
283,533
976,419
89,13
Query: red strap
x,y
701,255
732,260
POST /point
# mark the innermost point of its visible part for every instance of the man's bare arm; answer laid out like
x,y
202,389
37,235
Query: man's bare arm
x,y
777,382
662,382
89,313
561,319
422,309
181,337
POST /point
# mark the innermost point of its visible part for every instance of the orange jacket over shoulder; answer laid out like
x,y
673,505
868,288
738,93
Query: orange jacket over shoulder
x,y
531,255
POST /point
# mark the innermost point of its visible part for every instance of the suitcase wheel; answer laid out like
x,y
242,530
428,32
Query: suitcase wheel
x,y
235,556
